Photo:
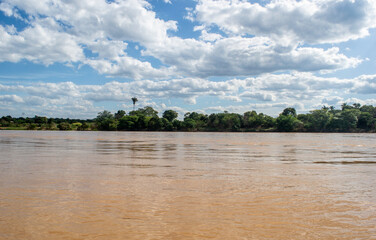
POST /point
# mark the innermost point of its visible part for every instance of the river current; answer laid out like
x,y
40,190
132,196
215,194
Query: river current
x,y
159,185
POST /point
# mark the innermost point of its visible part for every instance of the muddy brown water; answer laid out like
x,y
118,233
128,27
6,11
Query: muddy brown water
x,y
151,185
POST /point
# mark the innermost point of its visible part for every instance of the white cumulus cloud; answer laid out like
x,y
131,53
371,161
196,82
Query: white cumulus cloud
x,y
98,32
275,91
290,21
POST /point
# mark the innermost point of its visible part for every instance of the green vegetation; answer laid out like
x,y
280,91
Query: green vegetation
x,y
43,123
350,118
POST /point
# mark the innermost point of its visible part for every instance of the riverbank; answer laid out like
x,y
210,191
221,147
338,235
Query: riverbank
x,y
354,118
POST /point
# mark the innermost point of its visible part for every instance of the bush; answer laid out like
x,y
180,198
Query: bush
x,y
64,126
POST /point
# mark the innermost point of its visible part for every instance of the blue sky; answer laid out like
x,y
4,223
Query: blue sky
x,y
62,58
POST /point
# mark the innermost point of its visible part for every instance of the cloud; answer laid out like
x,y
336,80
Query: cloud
x,y
187,89
239,53
10,99
259,96
300,82
267,87
238,56
64,31
272,91
289,21
97,33
370,101
40,45
47,90
365,85
210,37
231,98
191,100
128,67
330,101
98,19
272,109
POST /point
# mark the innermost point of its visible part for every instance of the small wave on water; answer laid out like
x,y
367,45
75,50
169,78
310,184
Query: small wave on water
x,y
345,162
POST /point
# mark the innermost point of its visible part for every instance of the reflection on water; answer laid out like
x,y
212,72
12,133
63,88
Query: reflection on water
x,y
142,185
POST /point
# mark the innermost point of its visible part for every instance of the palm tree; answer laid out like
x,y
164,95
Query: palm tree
x,y
134,100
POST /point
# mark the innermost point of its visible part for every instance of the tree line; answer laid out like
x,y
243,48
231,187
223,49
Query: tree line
x,y
350,118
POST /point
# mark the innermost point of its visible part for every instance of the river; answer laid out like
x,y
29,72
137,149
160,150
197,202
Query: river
x,y
159,185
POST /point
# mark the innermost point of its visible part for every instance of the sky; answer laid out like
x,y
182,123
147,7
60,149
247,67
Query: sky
x,y
67,58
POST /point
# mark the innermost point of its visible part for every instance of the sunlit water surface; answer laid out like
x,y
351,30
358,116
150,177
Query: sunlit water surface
x,y
143,185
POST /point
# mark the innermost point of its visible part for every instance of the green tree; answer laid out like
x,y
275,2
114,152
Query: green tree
x,y
178,125
108,125
146,111
32,126
231,121
128,123
40,120
213,121
142,122
249,119
51,125
349,119
200,120
167,125
104,115
356,105
84,127
189,124
170,115
318,120
286,123
268,121
155,124
289,112
345,120
368,108
119,114
64,126
76,125
6,121
7,118
345,106
366,121
106,121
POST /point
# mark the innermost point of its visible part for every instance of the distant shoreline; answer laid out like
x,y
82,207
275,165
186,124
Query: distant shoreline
x,y
177,131
349,119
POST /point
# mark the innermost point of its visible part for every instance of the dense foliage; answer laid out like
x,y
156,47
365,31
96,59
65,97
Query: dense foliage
x,y
350,118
